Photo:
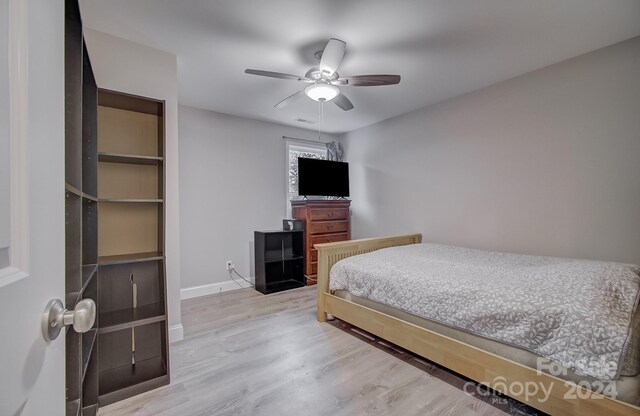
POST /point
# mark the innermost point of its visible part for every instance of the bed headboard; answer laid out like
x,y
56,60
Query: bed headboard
x,y
331,253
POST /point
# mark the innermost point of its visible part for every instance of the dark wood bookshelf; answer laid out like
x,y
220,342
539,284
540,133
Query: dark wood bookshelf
x,y
88,343
131,317
129,159
133,333
91,410
77,192
132,200
150,373
130,258
73,408
81,234
72,189
88,273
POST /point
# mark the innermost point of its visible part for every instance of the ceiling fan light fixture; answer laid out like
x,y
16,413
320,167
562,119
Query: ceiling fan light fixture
x,y
322,92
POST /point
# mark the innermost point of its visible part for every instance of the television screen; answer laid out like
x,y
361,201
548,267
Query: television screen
x,y
322,178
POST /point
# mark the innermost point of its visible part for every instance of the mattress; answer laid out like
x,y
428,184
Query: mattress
x,y
627,388
582,315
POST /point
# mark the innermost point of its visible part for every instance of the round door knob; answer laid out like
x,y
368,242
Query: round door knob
x,y
56,317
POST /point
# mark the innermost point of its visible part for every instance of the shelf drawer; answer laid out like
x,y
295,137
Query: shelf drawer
x,y
328,238
323,214
328,227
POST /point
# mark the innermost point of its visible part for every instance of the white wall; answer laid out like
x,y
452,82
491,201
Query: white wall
x,y
126,66
5,184
547,163
232,182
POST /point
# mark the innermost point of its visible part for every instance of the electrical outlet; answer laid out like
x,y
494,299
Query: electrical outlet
x,y
229,265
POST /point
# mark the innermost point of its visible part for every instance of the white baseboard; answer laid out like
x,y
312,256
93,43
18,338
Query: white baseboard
x,y
212,288
176,333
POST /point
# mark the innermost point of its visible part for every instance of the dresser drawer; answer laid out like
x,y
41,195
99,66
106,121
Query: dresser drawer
x,y
328,238
328,214
328,227
313,269
313,254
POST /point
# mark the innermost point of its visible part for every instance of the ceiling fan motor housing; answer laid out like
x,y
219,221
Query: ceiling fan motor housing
x,y
316,74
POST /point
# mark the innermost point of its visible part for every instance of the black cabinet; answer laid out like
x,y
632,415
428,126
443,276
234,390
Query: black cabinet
x,y
279,260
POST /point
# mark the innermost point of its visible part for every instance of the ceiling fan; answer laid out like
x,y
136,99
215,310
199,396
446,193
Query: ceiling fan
x,y
324,80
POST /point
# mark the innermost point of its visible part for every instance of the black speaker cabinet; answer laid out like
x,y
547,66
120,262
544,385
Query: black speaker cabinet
x,y
279,260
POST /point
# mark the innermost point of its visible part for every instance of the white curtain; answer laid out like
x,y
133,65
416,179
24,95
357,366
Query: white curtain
x,y
334,151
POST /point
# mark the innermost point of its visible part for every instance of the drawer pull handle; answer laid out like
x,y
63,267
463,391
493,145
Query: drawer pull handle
x,y
330,214
330,227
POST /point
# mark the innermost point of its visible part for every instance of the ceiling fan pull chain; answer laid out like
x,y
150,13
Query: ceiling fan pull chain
x,y
320,125
319,119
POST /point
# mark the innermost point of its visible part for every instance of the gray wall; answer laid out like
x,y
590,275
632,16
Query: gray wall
x,y
232,182
5,184
547,163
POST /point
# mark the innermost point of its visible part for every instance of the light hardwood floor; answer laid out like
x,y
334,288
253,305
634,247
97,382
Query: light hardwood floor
x,y
248,354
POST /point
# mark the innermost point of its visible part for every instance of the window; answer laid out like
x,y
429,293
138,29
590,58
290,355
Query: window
x,y
294,151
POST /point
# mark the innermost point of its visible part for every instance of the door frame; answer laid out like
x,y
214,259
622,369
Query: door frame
x,y
18,122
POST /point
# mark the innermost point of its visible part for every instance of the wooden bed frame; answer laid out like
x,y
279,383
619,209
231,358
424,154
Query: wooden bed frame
x,y
474,363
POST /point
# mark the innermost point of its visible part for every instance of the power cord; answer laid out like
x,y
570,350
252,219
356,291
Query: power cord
x,y
233,269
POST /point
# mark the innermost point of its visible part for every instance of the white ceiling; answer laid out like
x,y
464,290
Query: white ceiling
x,y
441,48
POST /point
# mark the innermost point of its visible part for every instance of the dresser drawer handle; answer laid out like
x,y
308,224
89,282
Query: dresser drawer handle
x,y
329,227
330,214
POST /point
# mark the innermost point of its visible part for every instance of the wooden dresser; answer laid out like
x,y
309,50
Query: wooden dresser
x,y
325,221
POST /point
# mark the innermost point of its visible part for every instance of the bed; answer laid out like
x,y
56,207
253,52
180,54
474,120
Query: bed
x,y
489,347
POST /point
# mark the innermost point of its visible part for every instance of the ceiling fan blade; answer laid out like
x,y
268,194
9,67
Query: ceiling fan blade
x,y
270,74
343,102
332,55
290,99
373,80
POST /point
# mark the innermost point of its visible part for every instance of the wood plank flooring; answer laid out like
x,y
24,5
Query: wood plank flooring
x,y
248,354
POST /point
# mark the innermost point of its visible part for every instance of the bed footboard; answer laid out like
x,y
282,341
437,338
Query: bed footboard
x,y
330,253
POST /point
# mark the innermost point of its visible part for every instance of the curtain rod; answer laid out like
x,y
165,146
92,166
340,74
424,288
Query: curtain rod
x,y
303,140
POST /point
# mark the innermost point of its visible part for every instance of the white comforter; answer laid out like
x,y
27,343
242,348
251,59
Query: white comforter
x,y
575,312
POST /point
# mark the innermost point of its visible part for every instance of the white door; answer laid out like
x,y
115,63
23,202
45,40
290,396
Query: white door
x,y
32,374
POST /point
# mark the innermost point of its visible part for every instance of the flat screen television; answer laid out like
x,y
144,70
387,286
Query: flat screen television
x,y
322,178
